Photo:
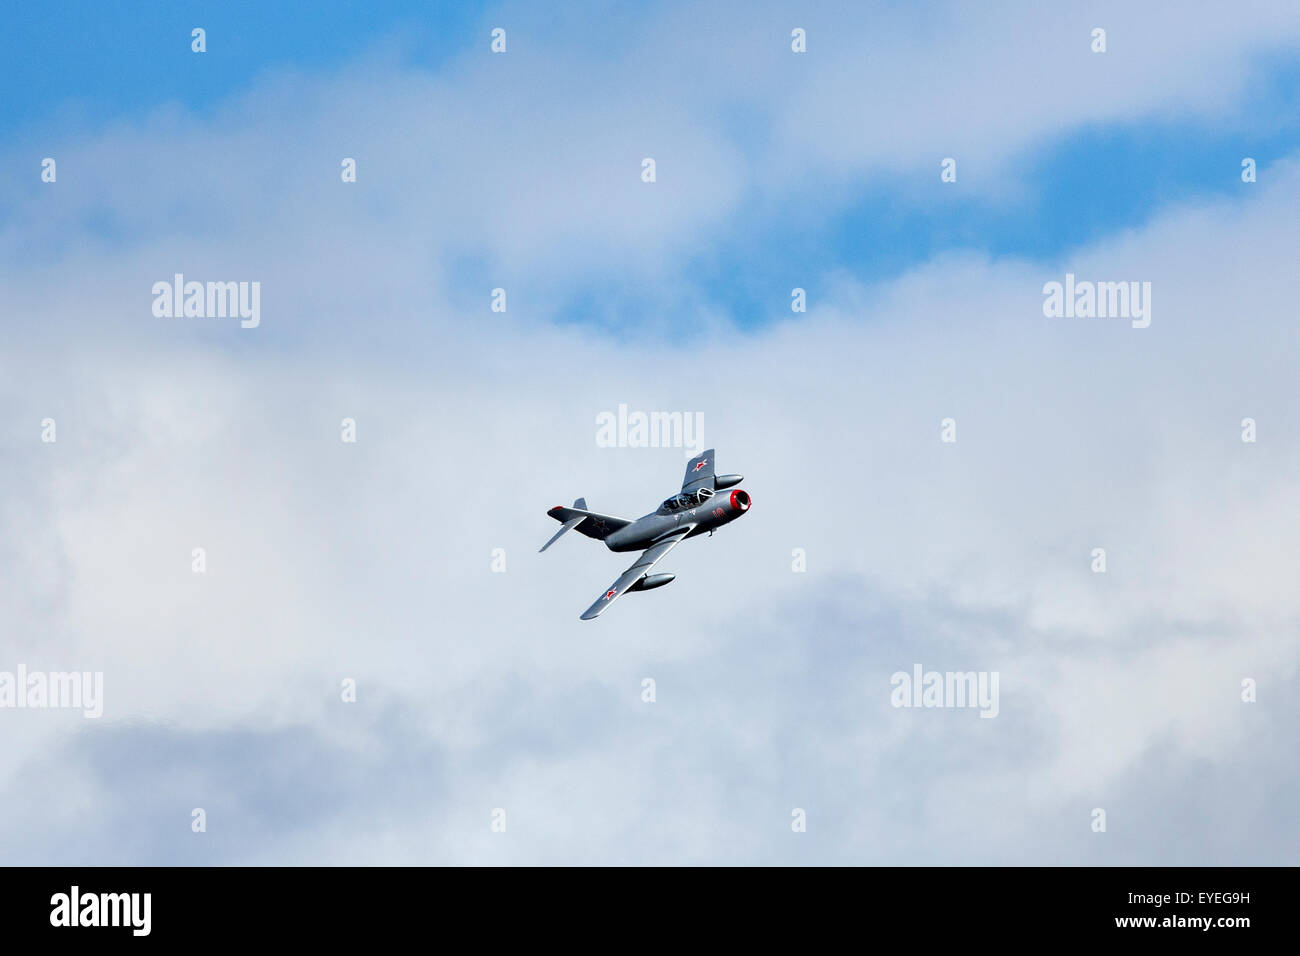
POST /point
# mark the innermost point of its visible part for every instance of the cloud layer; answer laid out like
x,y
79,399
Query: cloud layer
x,y
478,690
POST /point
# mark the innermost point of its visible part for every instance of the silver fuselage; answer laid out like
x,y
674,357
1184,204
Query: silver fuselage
x,y
706,514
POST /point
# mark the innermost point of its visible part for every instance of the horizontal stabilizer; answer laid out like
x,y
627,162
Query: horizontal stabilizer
x,y
567,526
591,523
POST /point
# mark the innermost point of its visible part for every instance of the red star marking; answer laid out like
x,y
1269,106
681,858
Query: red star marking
x,y
609,594
701,464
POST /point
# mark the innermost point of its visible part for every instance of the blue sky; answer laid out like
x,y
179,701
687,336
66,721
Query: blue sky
x,y
373,560
117,64
103,62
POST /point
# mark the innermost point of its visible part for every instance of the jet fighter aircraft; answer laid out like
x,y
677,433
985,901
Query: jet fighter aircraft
x,y
696,509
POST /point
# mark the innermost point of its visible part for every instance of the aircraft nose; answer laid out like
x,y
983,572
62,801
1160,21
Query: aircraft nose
x,y
740,500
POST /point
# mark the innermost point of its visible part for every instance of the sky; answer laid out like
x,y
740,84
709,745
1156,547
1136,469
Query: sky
x,y
934,460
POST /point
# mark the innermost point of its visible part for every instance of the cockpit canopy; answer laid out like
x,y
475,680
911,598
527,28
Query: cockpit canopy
x,y
688,500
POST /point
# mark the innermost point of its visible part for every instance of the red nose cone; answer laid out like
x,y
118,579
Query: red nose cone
x,y
740,500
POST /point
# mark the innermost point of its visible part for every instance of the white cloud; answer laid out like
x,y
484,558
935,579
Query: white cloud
x,y
477,690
